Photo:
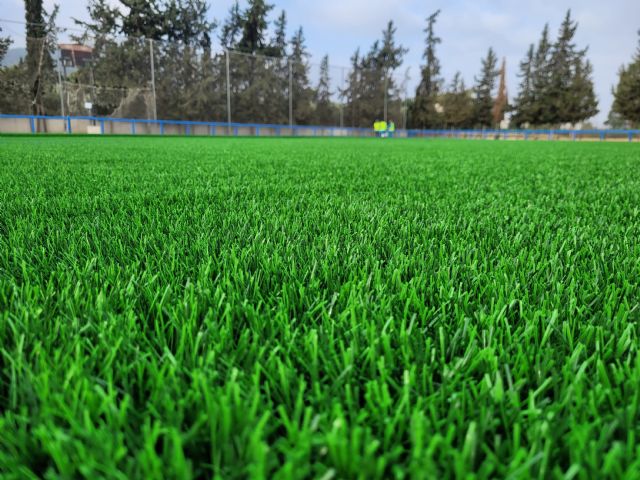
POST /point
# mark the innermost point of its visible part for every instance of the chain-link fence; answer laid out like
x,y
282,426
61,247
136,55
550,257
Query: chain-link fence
x,y
144,79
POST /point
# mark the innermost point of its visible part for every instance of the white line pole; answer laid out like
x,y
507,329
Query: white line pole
x,y
226,51
153,80
290,95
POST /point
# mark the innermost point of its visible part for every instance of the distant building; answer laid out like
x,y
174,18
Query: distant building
x,y
75,55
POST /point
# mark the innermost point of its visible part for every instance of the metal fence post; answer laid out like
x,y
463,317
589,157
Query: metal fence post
x,y
153,80
290,94
61,89
341,100
226,51
386,83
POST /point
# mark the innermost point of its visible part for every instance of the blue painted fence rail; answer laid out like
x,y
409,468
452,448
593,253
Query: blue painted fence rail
x,y
412,133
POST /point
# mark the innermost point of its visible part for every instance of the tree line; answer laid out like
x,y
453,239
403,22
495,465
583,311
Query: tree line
x,y
270,78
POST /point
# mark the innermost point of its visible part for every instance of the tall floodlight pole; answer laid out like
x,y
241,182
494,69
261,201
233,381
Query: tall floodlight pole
x,y
341,100
386,84
404,115
290,95
61,91
226,51
153,80
404,107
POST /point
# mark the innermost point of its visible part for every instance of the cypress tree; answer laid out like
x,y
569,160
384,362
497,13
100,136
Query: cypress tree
x,y
144,19
540,111
626,104
523,104
278,47
570,96
485,85
423,113
302,93
583,103
254,27
561,73
501,103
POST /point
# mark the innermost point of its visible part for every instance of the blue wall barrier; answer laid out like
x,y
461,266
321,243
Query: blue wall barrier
x,y
212,126
550,134
213,129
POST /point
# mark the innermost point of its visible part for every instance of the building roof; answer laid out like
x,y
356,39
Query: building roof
x,y
75,47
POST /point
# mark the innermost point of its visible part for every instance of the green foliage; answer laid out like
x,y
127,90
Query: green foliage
x,y
300,87
5,43
371,80
627,93
299,308
254,27
39,71
556,85
326,112
13,83
457,105
189,80
524,103
570,94
483,91
423,113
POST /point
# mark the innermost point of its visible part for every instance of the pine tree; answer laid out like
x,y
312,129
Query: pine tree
x,y
561,74
117,80
351,93
615,121
423,112
390,55
540,111
277,73
370,75
278,46
301,91
325,112
523,104
232,27
186,22
582,102
5,43
389,59
570,96
254,27
502,101
457,104
143,19
626,95
485,85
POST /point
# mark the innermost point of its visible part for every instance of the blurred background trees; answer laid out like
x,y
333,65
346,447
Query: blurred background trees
x,y
272,77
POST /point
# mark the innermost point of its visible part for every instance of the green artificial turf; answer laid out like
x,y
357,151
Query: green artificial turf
x,y
318,308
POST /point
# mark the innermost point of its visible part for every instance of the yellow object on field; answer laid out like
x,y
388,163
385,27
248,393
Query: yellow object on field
x,y
392,127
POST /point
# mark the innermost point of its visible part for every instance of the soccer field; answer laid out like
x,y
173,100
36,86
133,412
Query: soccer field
x,y
318,308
